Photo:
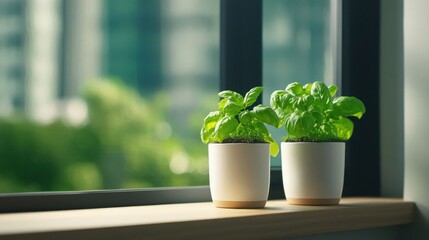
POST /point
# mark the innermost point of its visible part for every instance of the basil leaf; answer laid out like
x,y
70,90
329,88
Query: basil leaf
x,y
319,90
318,117
260,128
266,115
295,89
251,96
344,128
281,101
349,106
245,117
206,135
224,127
233,96
307,88
300,125
221,104
211,120
274,147
275,99
308,100
333,90
303,103
231,108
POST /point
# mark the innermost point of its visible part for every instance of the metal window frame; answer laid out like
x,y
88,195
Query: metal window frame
x,y
241,69
361,78
49,201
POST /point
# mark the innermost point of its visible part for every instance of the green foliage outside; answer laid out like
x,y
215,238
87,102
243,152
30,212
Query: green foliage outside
x,y
127,142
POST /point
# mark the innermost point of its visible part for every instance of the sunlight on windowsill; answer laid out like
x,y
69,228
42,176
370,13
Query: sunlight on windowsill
x,y
194,220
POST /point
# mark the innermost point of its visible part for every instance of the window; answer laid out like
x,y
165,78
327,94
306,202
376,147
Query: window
x,y
194,26
102,94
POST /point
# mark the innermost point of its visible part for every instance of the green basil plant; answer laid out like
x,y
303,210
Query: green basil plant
x,y
311,113
236,122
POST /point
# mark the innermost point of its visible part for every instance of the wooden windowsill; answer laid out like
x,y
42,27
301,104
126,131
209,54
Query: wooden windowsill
x,y
204,221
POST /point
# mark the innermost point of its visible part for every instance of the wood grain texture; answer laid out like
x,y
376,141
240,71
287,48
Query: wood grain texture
x,y
202,220
240,204
314,201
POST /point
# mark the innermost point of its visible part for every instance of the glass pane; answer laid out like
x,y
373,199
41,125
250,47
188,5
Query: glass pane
x,y
105,94
298,46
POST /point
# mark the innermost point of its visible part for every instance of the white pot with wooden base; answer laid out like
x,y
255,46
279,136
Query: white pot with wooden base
x,y
313,172
239,174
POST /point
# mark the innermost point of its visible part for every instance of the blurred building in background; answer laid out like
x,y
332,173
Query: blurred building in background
x,y
46,55
50,48
12,56
132,46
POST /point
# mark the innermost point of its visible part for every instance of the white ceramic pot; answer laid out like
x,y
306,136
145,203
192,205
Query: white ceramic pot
x,y
313,172
239,174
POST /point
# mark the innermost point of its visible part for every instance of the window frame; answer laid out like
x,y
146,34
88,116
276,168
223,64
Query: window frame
x,y
240,70
360,71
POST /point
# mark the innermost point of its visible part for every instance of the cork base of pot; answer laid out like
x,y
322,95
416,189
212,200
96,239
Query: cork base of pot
x,y
240,204
314,201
